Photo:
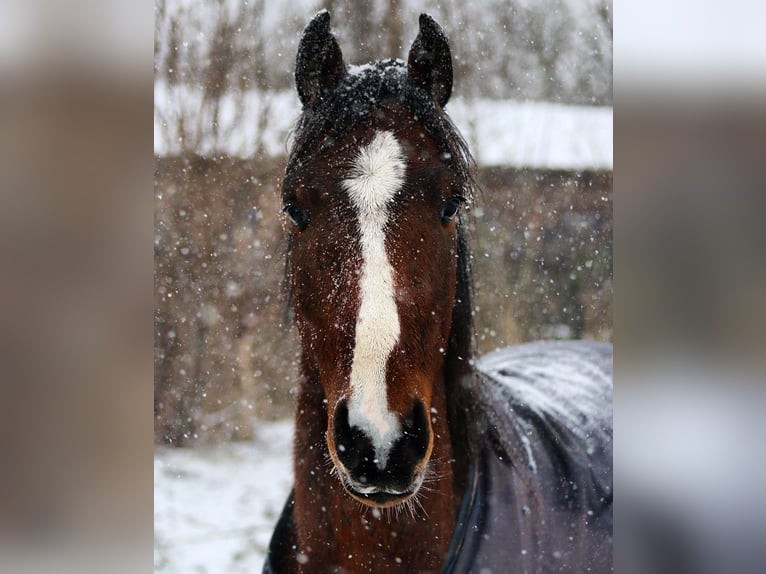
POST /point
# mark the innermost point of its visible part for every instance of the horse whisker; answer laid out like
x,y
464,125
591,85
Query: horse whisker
x,y
417,501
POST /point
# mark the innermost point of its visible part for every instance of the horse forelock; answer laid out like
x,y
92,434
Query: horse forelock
x,y
364,90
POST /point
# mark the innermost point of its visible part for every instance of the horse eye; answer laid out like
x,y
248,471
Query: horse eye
x,y
299,216
450,207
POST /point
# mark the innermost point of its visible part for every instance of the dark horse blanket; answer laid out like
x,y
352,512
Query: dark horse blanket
x,y
539,495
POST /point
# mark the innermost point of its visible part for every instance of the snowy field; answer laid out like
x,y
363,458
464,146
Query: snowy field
x,y
499,132
215,507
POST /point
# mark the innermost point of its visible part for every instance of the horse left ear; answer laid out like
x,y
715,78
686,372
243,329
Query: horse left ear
x,y
429,64
319,66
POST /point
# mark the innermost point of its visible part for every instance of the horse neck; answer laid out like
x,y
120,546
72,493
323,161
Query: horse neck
x,y
336,533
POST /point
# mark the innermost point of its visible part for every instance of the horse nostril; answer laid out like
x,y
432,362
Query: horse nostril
x,y
357,454
351,444
416,435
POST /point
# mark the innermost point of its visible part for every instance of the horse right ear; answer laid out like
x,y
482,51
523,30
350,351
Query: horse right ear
x,y
319,66
429,65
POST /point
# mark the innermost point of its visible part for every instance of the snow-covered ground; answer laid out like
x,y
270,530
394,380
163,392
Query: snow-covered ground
x,y
215,507
499,132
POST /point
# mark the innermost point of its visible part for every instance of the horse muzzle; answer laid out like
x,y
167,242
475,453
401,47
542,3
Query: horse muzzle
x,y
381,496
377,480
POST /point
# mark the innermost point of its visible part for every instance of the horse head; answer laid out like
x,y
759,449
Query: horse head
x,y
372,194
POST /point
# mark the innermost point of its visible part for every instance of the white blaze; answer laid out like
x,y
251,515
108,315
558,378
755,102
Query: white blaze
x,y
376,176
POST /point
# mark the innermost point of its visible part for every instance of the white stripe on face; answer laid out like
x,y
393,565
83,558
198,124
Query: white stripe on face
x,y
375,178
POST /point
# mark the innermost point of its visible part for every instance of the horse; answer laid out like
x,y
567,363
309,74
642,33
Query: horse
x,y
410,453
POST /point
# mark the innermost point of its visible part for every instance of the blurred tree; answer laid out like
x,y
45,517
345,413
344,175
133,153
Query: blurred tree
x,y
555,51
393,25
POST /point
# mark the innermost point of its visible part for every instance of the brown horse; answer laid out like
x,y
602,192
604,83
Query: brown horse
x,y
411,456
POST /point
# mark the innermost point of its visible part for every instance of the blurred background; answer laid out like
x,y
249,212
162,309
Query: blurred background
x,y
691,277
533,95
80,299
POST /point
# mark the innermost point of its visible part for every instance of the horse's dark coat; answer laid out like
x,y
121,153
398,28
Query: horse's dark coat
x,y
543,418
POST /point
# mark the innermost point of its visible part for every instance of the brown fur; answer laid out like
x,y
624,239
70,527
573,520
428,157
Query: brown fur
x,y
334,531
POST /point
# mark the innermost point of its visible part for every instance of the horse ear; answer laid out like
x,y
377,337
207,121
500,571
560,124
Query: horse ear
x,y
429,65
319,66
